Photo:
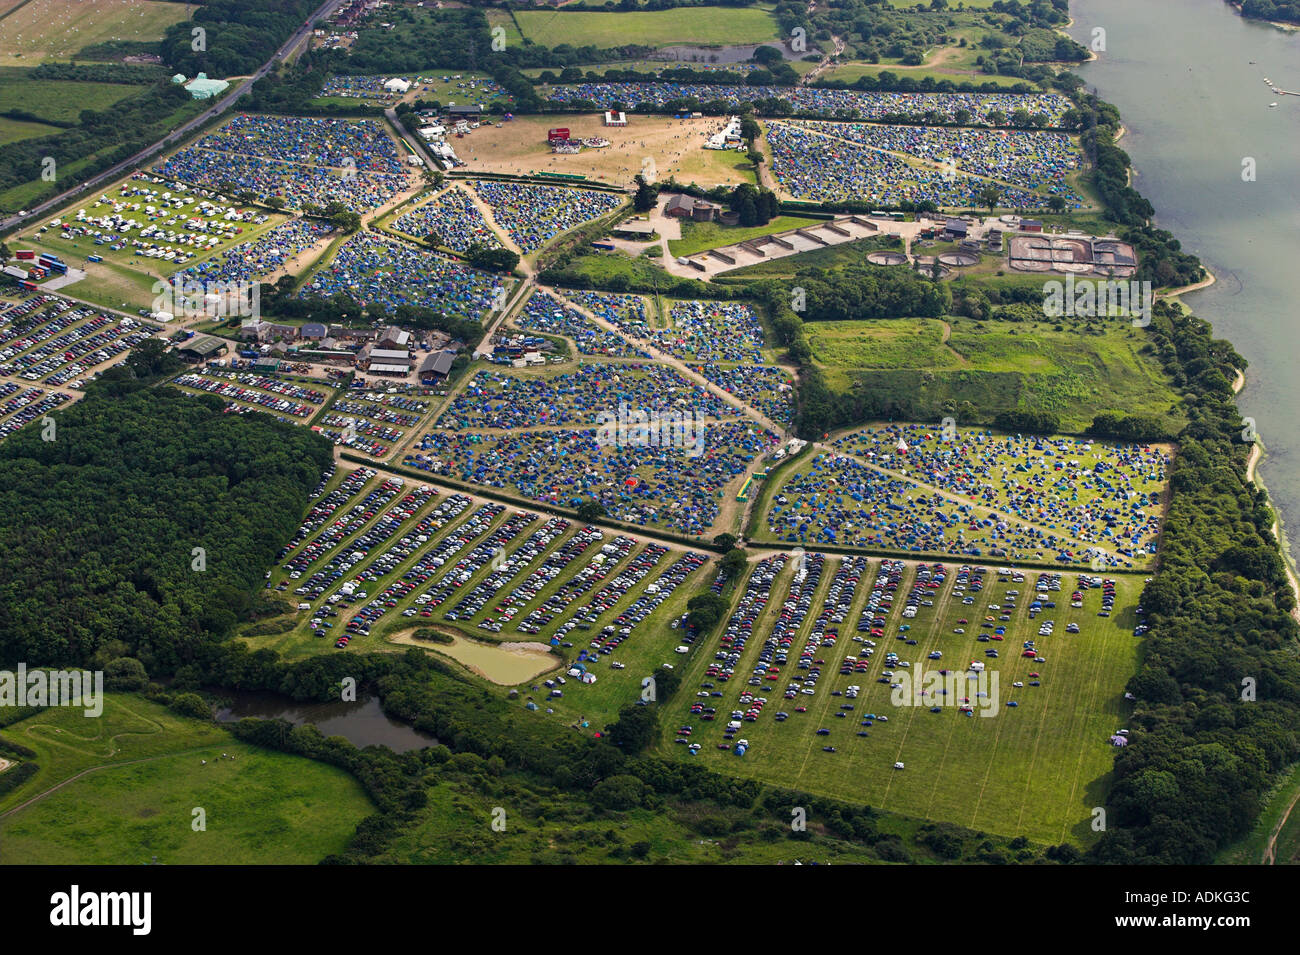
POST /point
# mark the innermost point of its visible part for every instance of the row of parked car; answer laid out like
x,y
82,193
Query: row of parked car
x,y
343,527
740,626
48,339
507,567
550,568
446,511
578,585
27,407
357,549
242,397
377,412
461,572
324,506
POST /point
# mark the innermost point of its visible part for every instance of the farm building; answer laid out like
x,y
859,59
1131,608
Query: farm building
x,y
388,361
394,337
201,348
687,207
437,366
465,112
613,118
313,330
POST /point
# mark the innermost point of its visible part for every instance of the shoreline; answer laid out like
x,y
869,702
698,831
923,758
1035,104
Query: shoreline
x,y
1252,475
1196,287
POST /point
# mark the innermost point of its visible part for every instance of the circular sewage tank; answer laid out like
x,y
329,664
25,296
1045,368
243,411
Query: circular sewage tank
x,y
886,258
959,259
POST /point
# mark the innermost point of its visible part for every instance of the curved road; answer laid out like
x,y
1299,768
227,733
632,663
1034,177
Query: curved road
x,y
176,135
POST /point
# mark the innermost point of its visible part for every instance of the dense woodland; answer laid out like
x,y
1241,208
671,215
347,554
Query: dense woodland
x,y
101,523
239,35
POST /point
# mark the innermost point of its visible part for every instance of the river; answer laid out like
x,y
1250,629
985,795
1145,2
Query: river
x,y
1188,79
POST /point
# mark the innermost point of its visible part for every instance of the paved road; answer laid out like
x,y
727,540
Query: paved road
x,y
176,135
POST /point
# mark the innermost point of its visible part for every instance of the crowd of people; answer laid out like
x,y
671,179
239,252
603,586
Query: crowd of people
x,y
264,255
709,331
372,270
820,168
453,217
545,314
501,400
947,107
765,388
1097,493
533,215
1028,160
298,160
661,487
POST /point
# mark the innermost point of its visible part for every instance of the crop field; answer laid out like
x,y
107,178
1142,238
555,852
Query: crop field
x,y
1034,768
1031,366
57,29
145,770
59,100
700,25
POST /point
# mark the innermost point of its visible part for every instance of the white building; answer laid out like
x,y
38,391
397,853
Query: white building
x,y
397,85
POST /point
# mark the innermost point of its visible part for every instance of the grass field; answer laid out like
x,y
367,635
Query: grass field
x,y
697,25
1033,366
653,66
1035,770
15,130
829,257
887,343
144,778
56,29
60,100
699,236
30,193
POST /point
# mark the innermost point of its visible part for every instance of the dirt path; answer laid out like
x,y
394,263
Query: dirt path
x,y
1270,851
94,769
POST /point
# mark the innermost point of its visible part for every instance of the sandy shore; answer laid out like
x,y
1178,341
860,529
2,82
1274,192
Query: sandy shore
x,y
1252,468
1183,290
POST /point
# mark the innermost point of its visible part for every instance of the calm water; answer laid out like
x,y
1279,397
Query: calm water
x,y
362,723
1188,79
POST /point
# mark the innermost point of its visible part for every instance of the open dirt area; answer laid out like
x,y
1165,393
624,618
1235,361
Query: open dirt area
x,y
672,145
